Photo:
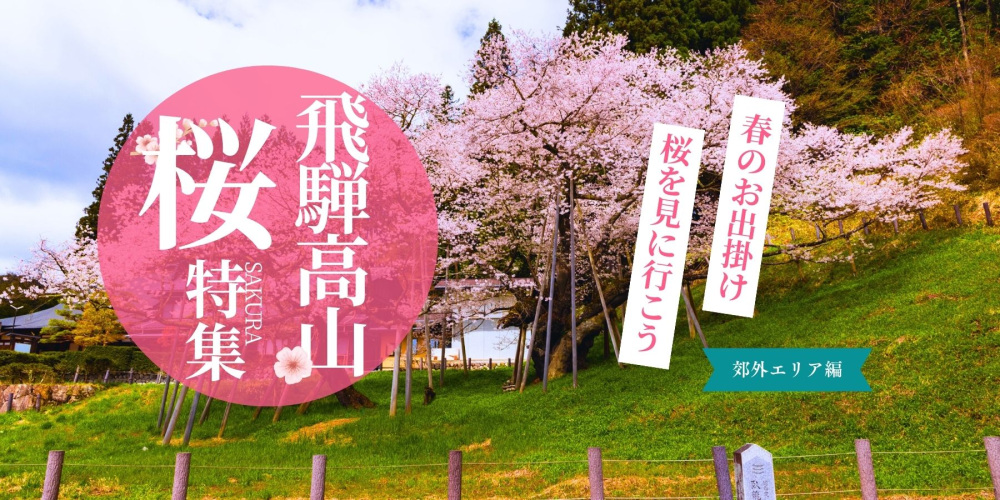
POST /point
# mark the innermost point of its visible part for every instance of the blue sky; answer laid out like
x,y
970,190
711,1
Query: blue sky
x,y
69,72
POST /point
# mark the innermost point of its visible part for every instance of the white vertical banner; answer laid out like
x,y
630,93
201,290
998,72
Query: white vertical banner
x,y
744,203
661,245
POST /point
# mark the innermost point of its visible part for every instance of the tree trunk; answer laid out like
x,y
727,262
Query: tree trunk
x,y
591,323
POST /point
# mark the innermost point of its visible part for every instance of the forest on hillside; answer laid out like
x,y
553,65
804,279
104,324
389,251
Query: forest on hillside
x,y
860,65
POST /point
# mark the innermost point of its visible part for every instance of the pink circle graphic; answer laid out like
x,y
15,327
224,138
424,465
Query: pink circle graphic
x,y
267,236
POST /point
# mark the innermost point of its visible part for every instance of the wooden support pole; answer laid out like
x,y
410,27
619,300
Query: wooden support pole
x,y
318,487
923,220
552,288
863,450
10,402
277,413
958,214
792,232
444,360
204,412
427,345
130,375
989,215
77,374
597,282
518,353
572,279
170,407
490,364
595,468
163,403
692,315
840,226
409,373
182,469
819,233
225,418
176,414
534,322
191,416
454,475
256,413
895,226
107,373
53,475
993,460
864,224
395,382
722,483
302,408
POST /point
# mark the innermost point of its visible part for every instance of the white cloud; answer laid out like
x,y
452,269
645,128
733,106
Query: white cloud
x,y
31,210
70,70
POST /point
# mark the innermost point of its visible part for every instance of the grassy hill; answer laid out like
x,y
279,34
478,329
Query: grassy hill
x,y
926,303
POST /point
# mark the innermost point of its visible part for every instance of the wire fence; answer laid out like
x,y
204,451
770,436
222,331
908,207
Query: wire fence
x,y
726,468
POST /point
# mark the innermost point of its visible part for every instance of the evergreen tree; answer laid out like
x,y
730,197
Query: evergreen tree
x,y
488,71
682,24
87,226
446,110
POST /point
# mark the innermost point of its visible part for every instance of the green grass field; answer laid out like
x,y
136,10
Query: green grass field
x,y
926,303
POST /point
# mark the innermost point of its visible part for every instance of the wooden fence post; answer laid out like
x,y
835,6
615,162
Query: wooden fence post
x,y
923,220
792,231
454,475
864,224
819,234
182,467
107,373
77,374
840,226
595,467
863,450
895,225
10,401
958,214
989,215
53,474
491,364
722,482
318,487
993,459
130,375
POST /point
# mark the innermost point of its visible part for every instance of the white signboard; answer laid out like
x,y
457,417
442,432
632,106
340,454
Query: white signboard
x,y
744,202
661,245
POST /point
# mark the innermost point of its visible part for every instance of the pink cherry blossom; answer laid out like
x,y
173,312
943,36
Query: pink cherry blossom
x,y
293,365
582,107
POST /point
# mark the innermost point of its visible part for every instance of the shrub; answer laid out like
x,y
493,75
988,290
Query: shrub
x,y
27,373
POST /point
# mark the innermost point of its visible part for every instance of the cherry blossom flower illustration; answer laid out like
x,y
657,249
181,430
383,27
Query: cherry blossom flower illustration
x,y
293,365
147,143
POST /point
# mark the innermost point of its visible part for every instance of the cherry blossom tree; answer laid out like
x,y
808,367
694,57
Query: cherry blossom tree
x,y
70,270
578,111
